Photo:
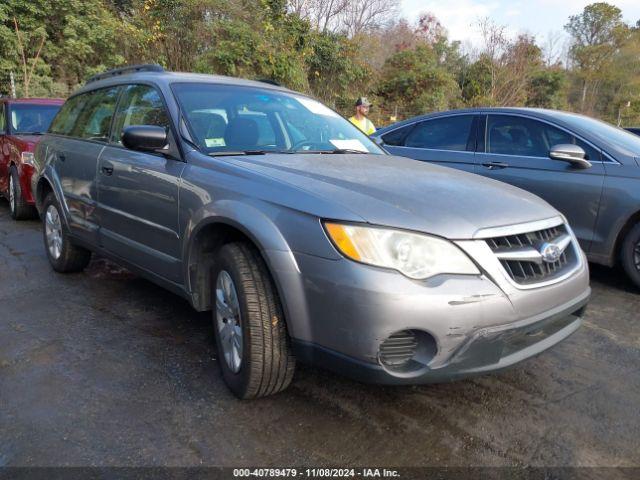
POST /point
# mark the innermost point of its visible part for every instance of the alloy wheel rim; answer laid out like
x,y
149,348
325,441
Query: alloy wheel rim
x,y
12,195
53,231
636,255
228,321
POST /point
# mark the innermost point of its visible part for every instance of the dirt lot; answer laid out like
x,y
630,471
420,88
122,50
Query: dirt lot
x,y
103,368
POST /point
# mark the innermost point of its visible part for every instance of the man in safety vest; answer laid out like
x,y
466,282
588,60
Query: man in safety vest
x,y
360,119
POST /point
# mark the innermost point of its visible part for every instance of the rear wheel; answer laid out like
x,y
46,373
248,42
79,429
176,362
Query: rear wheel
x,y
631,254
251,336
18,207
63,255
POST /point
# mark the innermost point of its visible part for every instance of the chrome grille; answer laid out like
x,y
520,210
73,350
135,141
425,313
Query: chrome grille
x,y
398,349
523,259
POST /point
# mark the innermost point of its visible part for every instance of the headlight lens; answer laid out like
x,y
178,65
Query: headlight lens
x,y
414,255
28,158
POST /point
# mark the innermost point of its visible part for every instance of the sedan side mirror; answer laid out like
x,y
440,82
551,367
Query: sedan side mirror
x,y
145,138
567,152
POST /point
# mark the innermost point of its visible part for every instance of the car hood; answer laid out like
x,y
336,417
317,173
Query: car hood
x,y
403,193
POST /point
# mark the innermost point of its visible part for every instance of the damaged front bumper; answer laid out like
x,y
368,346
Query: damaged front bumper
x,y
477,324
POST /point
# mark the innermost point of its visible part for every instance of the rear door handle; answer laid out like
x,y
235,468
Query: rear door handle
x,y
495,165
107,169
61,157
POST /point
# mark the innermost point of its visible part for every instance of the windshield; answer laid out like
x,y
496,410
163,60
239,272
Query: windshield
x,y
623,140
29,118
226,118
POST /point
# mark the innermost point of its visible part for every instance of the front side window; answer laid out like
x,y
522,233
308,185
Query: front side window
x,y
520,136
31,119
225,118
95,119
139,105
448,133
66,118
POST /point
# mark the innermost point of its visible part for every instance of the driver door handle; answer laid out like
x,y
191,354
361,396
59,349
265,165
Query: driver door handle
x,y
495,165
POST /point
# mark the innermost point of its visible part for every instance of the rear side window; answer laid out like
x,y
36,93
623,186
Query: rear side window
x,y
448,133
95,119
66,118
140,105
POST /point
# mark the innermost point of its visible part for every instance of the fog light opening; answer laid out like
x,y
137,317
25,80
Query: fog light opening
x,y
407,351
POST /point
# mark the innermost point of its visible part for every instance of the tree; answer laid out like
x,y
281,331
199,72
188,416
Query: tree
x,y
597,33
415,82
80,39
546,88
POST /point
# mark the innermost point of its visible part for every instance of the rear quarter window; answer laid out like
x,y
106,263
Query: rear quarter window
x,y
65,120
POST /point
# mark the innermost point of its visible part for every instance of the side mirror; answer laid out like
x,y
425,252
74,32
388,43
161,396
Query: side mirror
x,y
145,138
567,152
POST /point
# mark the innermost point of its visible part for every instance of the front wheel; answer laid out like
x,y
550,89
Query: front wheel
x,y
631,254
251,335
63,255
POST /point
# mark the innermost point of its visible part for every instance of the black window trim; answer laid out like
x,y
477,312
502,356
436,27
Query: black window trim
x,y
172,127
603,153
122,86
72,137
415,123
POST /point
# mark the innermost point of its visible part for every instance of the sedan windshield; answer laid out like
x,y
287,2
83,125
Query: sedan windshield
x,y
31,119
226,118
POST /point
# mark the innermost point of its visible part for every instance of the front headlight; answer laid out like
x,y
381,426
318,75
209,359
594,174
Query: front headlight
x,y
414,255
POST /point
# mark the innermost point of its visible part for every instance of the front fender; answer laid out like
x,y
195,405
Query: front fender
x,y
265,234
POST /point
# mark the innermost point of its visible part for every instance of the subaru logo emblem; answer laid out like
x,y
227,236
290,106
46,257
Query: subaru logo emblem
x,y
550,252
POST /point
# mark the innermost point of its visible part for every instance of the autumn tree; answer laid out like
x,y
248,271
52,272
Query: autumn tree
x,y
597,33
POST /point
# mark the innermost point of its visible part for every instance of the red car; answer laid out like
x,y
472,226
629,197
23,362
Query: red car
x,y
22,122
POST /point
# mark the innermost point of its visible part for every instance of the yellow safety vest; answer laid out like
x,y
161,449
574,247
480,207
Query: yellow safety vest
x,y
365,125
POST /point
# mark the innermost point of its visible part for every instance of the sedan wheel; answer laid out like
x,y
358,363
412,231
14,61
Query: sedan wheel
x,y
228,321
631,254
53,231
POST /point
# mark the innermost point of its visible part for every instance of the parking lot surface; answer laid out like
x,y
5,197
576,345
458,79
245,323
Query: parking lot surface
x,y
105,368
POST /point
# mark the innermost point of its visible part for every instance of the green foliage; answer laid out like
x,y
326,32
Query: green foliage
x,y
80,38
407,68
415,81
547,89
476,82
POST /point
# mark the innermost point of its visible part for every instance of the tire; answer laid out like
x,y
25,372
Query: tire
x,y
18,207
63,255
630,254
266,363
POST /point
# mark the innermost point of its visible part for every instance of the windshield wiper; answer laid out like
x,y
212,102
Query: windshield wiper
x,y
29,133
223,153
337,151
230,153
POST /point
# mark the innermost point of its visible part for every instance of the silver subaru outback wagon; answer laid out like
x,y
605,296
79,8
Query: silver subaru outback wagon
x,y
306,241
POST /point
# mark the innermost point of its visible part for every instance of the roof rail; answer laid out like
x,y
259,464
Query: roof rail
x,y
126,70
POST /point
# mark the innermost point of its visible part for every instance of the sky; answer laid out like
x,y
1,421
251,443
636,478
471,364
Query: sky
x,y
541,18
